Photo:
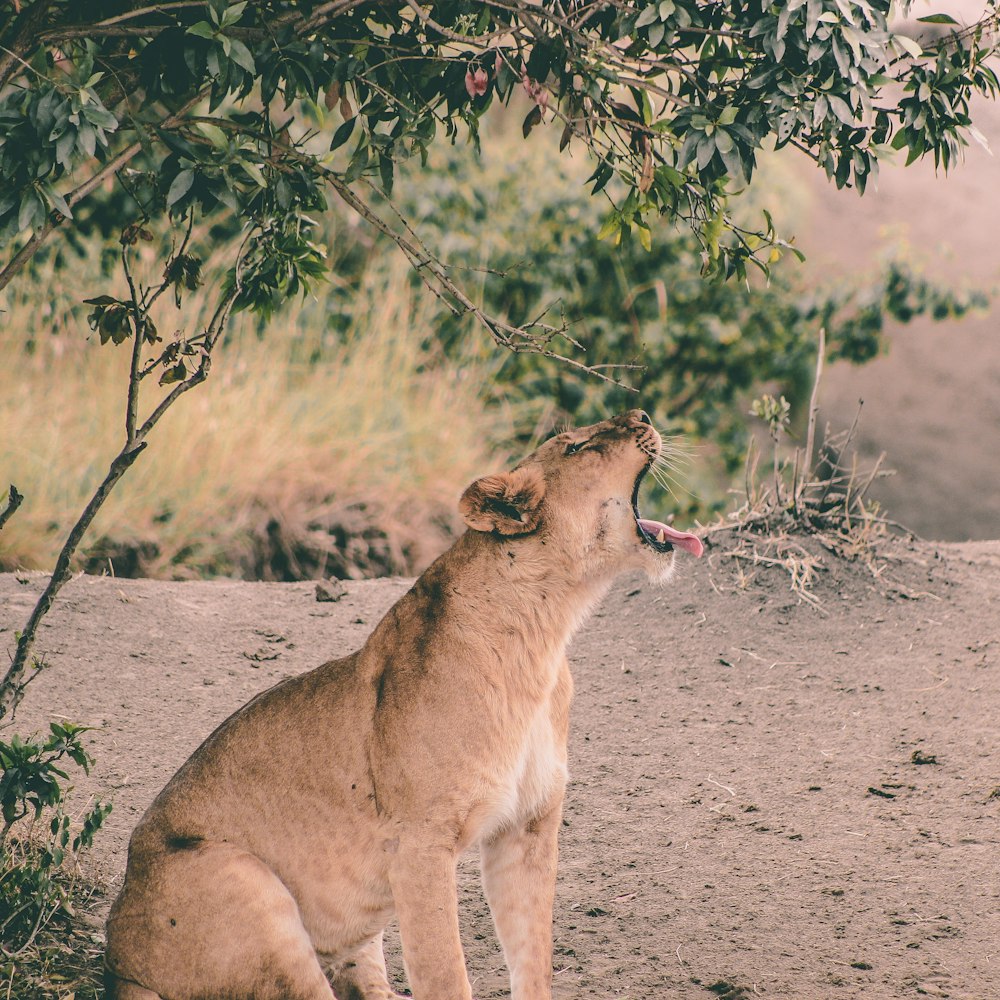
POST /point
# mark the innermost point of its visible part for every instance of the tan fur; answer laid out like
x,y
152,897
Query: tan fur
x,y
271,862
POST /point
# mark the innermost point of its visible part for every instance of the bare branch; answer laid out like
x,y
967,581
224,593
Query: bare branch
x,y
480,41
14,500
13,682
813,410
516,339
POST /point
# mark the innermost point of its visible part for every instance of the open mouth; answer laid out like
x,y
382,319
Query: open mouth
x,y
661,536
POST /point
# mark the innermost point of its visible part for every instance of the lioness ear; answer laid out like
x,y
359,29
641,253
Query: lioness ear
x,y
509,503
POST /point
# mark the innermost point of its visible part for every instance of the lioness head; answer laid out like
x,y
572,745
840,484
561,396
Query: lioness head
x,y
578,493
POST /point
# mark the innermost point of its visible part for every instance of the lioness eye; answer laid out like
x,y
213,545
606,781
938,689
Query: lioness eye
x,y
574,446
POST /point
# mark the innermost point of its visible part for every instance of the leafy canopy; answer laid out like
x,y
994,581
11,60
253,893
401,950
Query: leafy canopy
x,y
258,110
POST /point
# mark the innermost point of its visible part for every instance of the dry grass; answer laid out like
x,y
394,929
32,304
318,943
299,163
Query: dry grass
x,y
305,452
63,958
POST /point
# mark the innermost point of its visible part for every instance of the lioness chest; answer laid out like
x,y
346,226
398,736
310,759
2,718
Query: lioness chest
x,y
532,776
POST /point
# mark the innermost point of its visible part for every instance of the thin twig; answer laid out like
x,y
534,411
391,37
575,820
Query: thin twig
x,y
813,410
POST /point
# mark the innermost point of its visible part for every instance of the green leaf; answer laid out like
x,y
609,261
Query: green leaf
x,y
180,186
87,138
841,109
253,171
358,164
202,29
612,224
385,168
98,115
31,210
343,133
233,14
64,147
240,55
174,374
57,201
601,175
533,117
907,43
706,150
938,19
648,16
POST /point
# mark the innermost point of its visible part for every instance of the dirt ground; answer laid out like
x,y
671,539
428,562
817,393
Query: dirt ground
x,y
745,816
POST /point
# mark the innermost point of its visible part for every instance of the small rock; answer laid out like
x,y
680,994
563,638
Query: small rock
x,y
330,590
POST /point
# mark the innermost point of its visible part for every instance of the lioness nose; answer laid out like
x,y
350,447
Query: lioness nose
x,y
643,416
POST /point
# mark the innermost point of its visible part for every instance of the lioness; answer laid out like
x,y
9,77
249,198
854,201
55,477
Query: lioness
x,y
344,796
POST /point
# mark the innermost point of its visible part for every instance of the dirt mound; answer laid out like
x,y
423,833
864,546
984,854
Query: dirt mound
x,y
767,798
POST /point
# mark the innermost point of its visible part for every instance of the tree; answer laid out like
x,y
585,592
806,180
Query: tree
x,y
249,115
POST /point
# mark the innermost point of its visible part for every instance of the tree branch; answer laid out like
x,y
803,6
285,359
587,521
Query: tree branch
x,y
138,333
31,21
14,500
13,683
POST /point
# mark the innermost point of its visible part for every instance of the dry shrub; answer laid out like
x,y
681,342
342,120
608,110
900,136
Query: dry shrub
x,y
803,508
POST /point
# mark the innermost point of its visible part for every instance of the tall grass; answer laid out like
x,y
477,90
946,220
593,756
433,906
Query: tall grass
x,y
305,452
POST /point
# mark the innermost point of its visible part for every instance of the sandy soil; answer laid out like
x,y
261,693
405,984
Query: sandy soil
x,y
745,815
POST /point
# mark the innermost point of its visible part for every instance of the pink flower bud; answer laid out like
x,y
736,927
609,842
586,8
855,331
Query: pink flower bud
x,y
535,91
476,83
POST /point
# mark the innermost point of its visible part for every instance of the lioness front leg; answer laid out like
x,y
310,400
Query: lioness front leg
x,y
363,975
519,878
425,893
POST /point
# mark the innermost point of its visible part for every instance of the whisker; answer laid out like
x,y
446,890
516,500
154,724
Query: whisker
x,y
677,440
668,483
677,454
663,463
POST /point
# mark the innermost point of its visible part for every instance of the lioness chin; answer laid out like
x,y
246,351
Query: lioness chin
x,y
271,862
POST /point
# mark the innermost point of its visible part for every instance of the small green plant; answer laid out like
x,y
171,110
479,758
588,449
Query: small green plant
x,y
777,414
39,842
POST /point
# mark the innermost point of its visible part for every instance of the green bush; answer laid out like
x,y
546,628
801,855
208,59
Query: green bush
x,y
705,347
38,841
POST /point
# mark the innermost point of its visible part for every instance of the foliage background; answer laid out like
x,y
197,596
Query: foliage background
x,y
366,93
336,435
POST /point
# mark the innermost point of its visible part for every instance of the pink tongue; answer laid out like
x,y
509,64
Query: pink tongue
x,y
679,539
